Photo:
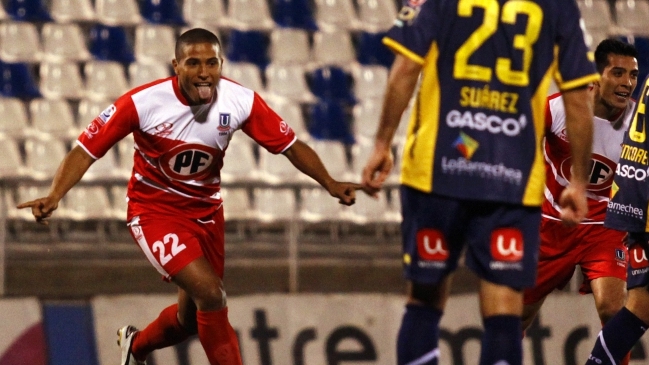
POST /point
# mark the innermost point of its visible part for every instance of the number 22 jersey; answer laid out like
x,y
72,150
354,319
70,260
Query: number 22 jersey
x,y
478,119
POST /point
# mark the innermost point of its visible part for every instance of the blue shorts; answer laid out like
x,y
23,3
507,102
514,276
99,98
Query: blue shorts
x,y
502,239
638,268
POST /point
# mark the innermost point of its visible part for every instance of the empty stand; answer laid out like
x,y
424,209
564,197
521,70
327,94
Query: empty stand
x,y
143,73
334,157
288,81
88,110
332,83
596,14
274,205
248,46
14,121
631,15
72,11
155,43
53,117
236,204
105,169
368,210
64,42
110,43
291,112
239,163
245,73
250,15
206,12
294,14
319,206
330,120
367,115
105,80
88,203
118,12
289,46
161,12
333,48
28,10
18,81
41,154
125,154
372,51
19,42
376,15
11,164
119,203
370,81
61,80
335,14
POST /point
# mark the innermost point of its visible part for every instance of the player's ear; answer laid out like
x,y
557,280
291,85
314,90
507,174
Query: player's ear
x,y
174,63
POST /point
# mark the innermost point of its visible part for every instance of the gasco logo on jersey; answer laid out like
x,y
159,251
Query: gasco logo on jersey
x,y
506,249
432,248
190,161
631,172
481,122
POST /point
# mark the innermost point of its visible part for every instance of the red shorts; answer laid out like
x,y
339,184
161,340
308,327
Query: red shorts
x,y
599,251
170,244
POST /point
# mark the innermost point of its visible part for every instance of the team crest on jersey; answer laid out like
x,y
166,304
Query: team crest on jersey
x,y
190,161
602,171
105,115
224,122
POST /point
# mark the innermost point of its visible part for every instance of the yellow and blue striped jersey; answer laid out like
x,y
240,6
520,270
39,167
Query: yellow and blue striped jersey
x,y
477,124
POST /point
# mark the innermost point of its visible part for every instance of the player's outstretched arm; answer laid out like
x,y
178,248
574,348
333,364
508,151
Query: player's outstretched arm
x,y
579,127
71,170
305,159
402,81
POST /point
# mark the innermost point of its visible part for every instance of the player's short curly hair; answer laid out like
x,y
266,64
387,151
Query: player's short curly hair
x,y
192,36
612,46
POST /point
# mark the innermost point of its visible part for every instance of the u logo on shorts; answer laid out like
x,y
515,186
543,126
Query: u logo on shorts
x,y
431,245
507,244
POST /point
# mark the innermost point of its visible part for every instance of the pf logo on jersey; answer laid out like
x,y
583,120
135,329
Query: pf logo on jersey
x,y
190,161
602,171
431,245
638,257
507,244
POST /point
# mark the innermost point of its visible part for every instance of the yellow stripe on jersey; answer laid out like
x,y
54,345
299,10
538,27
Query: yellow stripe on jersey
x,y
533,195
422,131
582,81
397,47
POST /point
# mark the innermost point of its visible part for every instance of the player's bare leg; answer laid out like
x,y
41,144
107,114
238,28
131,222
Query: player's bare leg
x,y
638,303
206,291
530,311
501,308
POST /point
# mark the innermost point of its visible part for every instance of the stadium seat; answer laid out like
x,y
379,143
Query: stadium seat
x,y
332,83
104,169
64,42
367,115
40,154
105,80
370,81
161,12
141,73
372,51
334,157
246,74
11,164
336,14
368,210
88,203
288,81
236,203
319,206
18,81
125,154
248,46
28,10
53,117
72,11
154,43
274,205
206,12
14,122
118,12
19,42
333,48
631,15
240,164
294,14
596,14
88,110
61,80
291,112
250,15
376,16
110,44
329,120
119,203
277,169
289,45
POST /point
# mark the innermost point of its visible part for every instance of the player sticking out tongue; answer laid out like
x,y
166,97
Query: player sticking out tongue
x,y
204,91
198,66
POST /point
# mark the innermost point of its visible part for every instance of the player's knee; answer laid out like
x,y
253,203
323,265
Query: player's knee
x,y
608,309
427,294
211,299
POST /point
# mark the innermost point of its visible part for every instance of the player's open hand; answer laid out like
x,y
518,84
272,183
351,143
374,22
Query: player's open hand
x,y
377,170
345,192
573,204
42,208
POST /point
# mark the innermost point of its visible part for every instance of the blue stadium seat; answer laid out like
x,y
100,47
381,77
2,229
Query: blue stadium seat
x,y
372,51
18,81
28,10
330,120
110,44
294,14
331,82
248,46
162,12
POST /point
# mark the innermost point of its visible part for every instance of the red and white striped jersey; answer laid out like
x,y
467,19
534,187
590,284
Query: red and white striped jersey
x,y
607,145
179,149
